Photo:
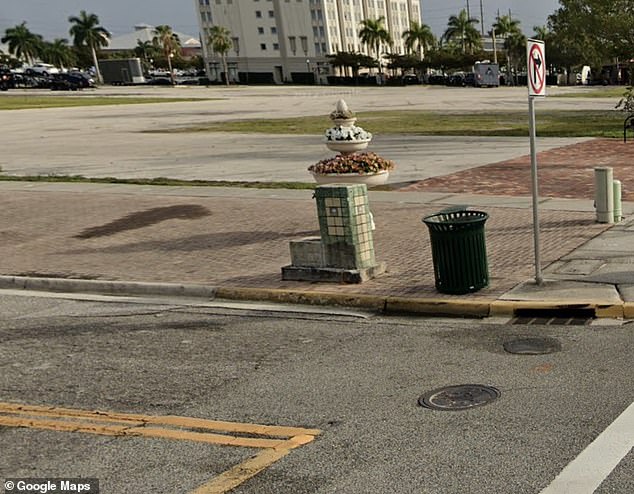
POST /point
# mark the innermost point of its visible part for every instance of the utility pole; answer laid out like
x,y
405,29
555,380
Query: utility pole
x,y
481,19
468,11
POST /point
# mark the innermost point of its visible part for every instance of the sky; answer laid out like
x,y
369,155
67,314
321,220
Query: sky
x,y
50,17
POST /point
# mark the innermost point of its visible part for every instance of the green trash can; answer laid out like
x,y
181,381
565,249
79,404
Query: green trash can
x,y
458,251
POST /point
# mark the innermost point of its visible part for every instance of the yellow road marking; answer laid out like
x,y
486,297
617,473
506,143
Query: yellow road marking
x,y
136,425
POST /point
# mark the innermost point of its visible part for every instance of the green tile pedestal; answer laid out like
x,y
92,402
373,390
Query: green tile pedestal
x,y
345,251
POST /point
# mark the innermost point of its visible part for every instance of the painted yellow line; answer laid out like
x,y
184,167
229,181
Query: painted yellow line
x,y
250,468
136,425
172,420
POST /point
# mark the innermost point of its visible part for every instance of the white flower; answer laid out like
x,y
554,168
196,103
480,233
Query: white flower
x,y
338,133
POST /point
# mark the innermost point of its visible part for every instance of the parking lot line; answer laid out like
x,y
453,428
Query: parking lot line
x,y
277,441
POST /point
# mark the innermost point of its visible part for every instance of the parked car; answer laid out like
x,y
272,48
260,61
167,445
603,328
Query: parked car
x,y
42,68
69,82
410,79
6,79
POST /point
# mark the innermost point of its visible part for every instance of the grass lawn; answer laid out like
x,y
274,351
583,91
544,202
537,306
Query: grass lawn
x,y
12,102
549,124
593,92
162,181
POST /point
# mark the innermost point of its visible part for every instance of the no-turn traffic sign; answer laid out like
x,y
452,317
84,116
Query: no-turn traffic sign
x,y
536,56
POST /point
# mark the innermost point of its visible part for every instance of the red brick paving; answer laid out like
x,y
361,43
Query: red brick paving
x,y
244,242
565,172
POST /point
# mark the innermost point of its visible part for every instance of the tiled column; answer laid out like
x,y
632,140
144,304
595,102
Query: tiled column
x,y
344,223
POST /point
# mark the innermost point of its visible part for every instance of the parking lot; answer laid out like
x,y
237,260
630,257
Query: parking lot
x,y
111,140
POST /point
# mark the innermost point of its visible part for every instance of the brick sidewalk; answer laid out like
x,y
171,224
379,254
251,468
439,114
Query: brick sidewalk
x,y
565,172
244,242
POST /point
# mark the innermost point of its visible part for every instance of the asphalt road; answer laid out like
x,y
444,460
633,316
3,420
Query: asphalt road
x,y
356,377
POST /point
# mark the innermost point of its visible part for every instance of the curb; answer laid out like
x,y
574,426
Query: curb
x,y
383,304
106,287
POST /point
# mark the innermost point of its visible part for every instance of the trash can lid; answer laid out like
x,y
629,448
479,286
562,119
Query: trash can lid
x,y
455,220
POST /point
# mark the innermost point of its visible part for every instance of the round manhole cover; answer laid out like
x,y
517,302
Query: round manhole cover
x,y
533,346
459,397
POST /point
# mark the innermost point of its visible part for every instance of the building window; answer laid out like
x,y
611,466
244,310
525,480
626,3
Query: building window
x,y
271,13
258,14
263,46
273,30
260,30
276,46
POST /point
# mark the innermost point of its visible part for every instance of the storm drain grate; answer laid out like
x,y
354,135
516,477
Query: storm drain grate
x,y
554,317
533,346
460,397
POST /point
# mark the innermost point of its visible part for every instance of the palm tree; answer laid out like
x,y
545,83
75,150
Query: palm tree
x,y
23,44
58,53
419,36
461,28
509,29
541,32
86,31
144,49
373,33
515,46
219,40
506,25
168,41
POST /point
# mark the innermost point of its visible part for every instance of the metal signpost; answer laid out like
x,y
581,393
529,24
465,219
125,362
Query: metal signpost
x,y
536,72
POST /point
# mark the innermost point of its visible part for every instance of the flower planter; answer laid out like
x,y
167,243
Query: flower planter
x,y
344,122
370,179
347,147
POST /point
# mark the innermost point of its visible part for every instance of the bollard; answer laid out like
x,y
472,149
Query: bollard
x,y
616,192
604,194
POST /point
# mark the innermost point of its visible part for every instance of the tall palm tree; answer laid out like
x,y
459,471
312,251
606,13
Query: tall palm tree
x,y
419,36
461,27
515,46
168,41
58,53
23,44
373,33
506,25
509,29
86,31
220,42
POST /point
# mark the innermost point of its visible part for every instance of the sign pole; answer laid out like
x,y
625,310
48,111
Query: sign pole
x,y
536,75
531,124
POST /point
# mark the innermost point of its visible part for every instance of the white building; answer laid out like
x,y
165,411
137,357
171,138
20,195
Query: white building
x,y
288,40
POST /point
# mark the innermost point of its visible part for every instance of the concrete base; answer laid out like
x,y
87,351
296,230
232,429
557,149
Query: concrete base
x,y
348,276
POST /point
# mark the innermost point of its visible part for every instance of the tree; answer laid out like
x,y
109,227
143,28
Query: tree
x,y
541,32
373,33
593,32
58,53
352,60
86,31
220,42
461,28
515,47
23,44
505,26
509,29
419,36
167,40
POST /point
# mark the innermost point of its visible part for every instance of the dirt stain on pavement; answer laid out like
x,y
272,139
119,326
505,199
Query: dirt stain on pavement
x,y
142,219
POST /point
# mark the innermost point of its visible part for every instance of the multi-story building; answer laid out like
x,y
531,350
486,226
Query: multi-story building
x,y
288,40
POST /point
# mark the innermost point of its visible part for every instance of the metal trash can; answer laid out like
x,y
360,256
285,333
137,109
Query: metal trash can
x,y
458,251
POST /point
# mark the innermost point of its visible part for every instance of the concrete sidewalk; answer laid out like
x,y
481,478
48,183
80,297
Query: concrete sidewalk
x,y
235,241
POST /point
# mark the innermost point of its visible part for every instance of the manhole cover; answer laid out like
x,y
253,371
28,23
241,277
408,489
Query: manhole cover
x,y
533,346
459,397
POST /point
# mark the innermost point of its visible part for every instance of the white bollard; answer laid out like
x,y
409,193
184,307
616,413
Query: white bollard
x,y
616,192
604,194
